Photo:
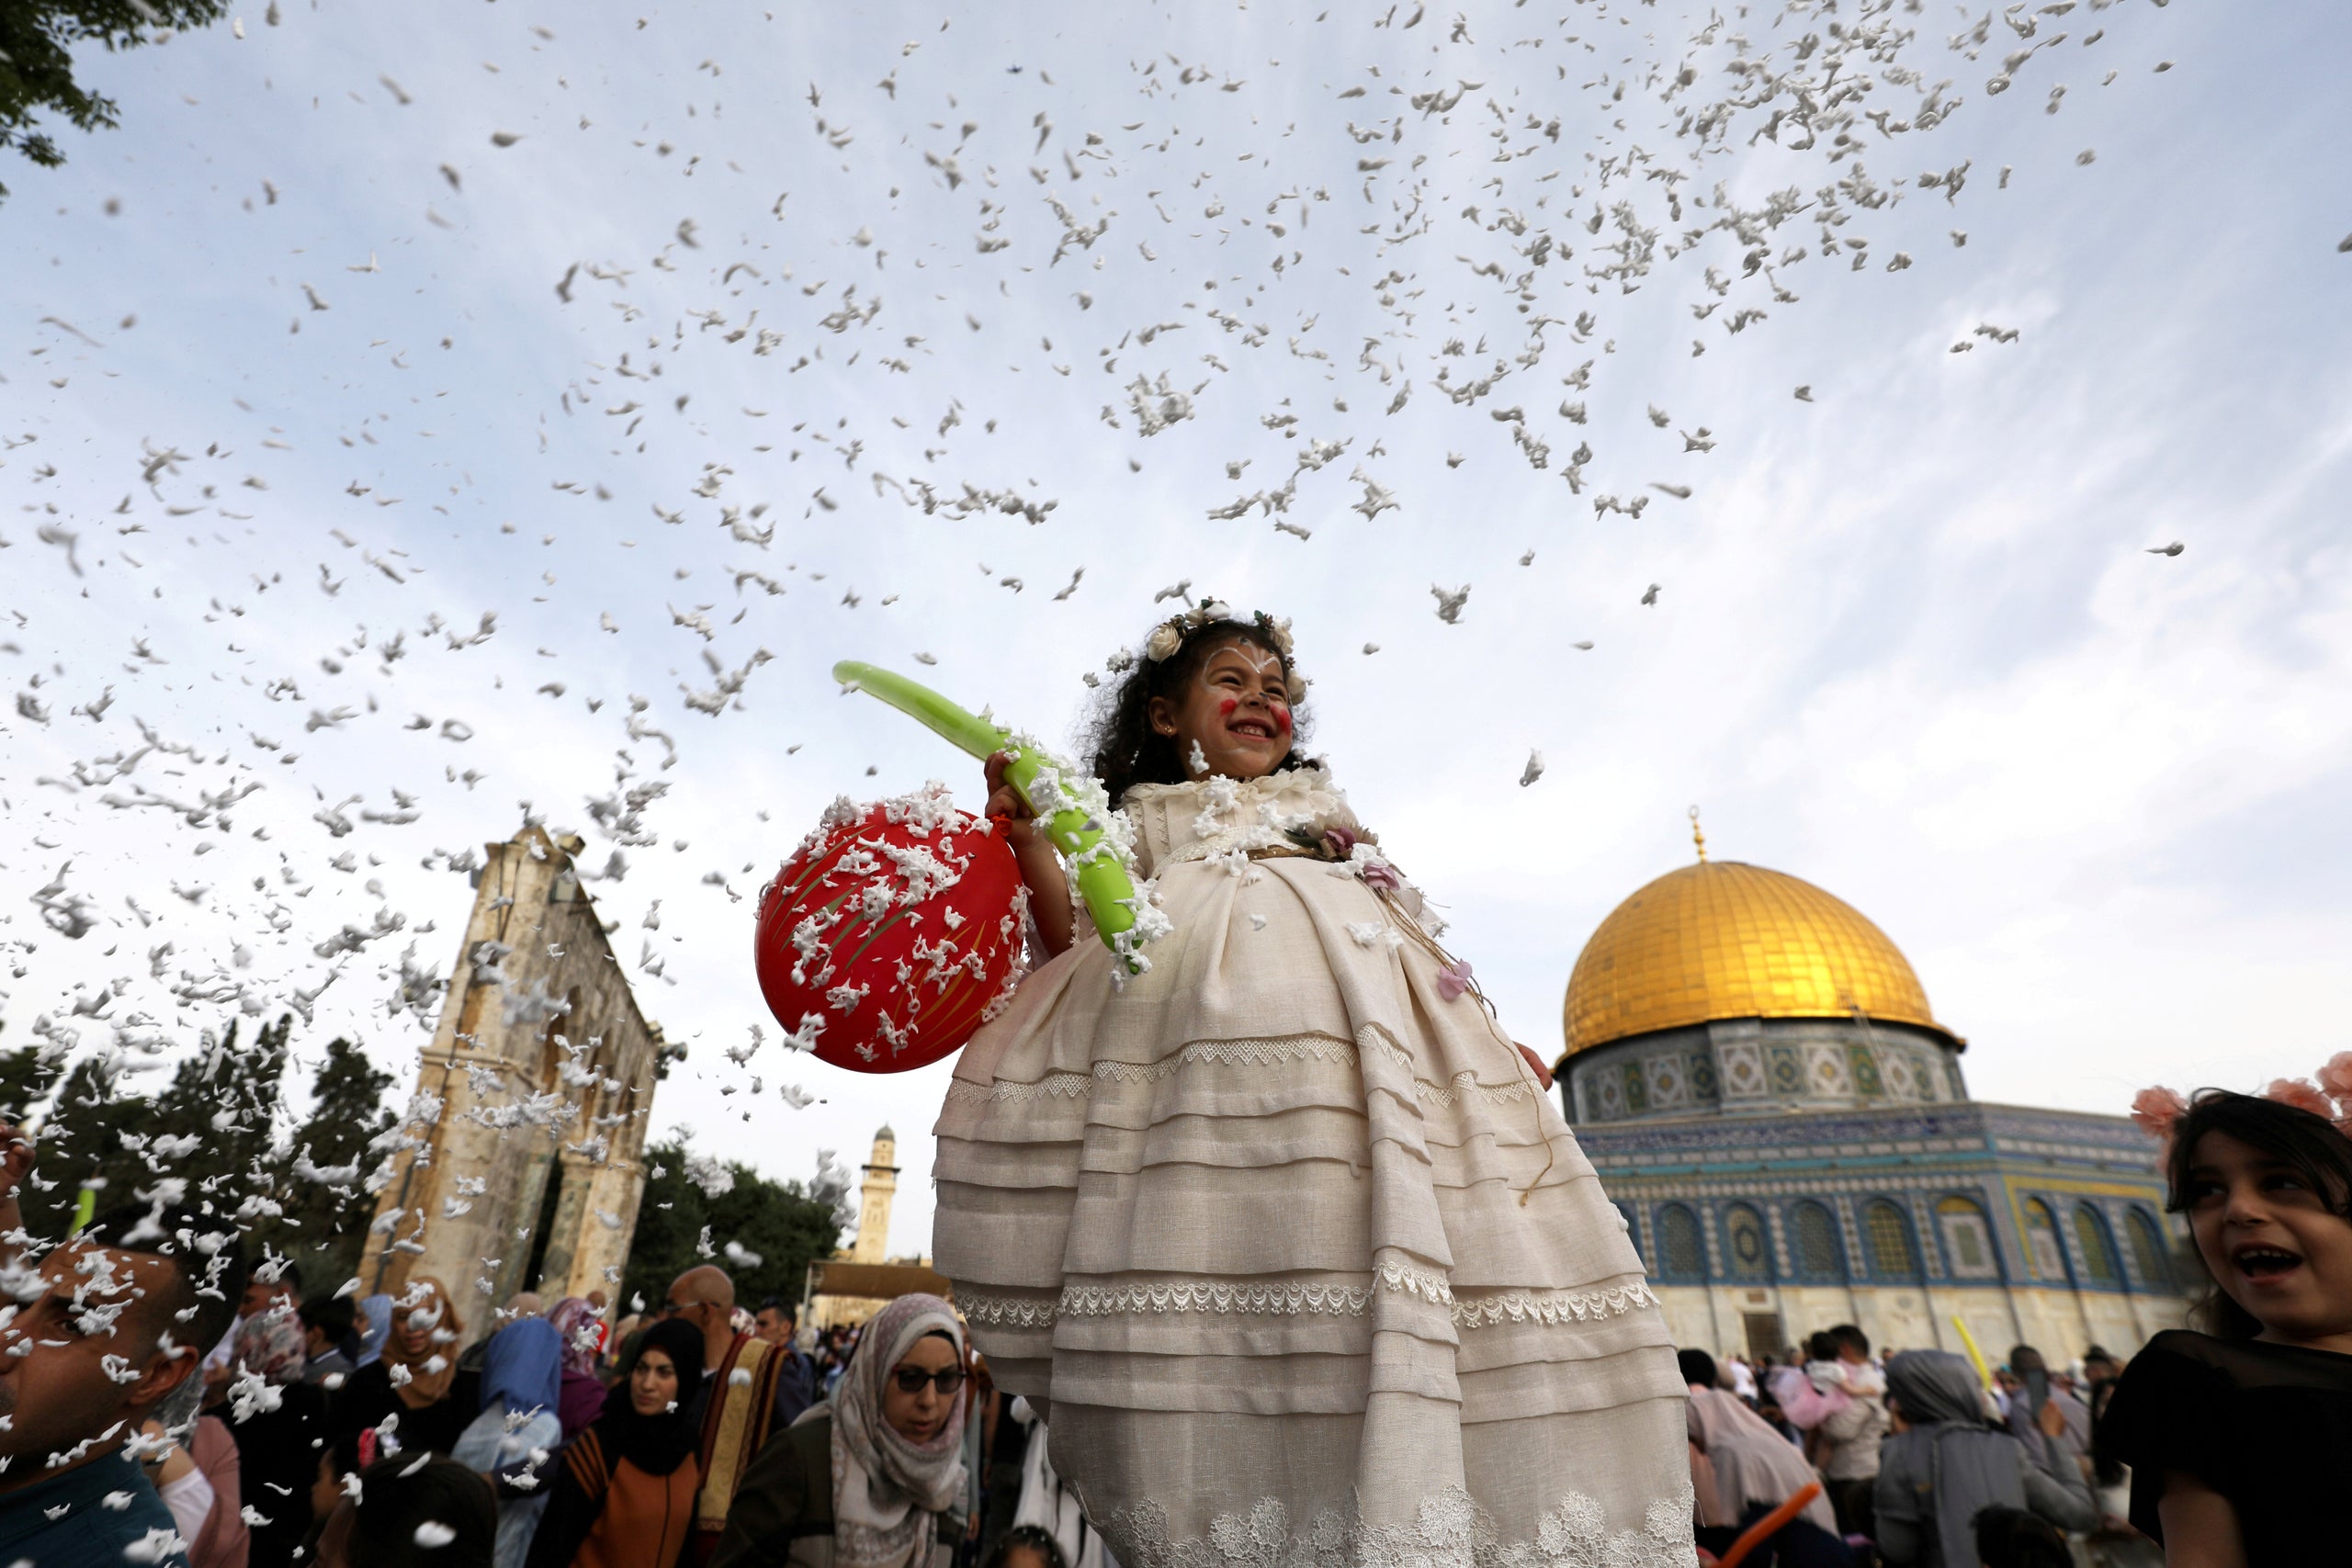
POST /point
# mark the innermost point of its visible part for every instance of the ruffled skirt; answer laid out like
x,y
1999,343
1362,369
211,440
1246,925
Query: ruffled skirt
x,y
1298,1261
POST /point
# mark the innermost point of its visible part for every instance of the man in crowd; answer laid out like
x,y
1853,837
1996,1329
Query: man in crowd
x,y
280,1280
115,1329
745,1395
330,1338
2040,1410
1849,1439
778,1323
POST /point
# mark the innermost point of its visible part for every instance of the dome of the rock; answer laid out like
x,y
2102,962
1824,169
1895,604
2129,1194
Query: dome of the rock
x,y
1722,940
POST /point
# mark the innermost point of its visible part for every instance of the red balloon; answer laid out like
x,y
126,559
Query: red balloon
x,y
890,936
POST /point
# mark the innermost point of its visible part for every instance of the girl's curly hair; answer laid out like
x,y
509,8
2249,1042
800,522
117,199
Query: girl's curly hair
x,y
1118,740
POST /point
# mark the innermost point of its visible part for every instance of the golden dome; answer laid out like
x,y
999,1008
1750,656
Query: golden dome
x,y
1720,940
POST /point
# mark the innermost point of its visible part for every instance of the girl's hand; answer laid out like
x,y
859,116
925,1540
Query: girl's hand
x,y
1004,801
15,1159
1543,1072
1041,866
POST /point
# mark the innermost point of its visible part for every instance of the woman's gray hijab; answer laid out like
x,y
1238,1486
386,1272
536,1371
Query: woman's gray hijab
x,y
1970,1467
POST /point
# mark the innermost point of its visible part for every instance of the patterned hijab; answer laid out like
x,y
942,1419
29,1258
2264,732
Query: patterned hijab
x,y
886,1489
570,1316
426,1304
270,1344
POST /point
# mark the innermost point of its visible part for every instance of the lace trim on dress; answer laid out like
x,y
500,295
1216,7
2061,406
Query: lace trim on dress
x,y
1466,1084
1293,1300
1450,1531
1549,1307
1300,1298
1270,1053
1274,1051
1003,1312
1058,1086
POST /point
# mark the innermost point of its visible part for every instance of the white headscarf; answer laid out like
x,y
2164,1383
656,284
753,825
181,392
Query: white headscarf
x,y
886,1489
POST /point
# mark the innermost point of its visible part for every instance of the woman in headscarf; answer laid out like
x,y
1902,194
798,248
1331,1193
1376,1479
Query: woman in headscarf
x,y
581,1393
870,1478
518,1415
1946,1464
623,1491
416,1378
375,1326
276,1419
1756,1468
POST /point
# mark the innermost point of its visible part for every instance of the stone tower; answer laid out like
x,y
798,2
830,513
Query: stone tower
x,y
529,1175
873,1244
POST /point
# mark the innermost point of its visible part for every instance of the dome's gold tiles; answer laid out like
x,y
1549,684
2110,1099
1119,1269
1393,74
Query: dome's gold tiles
x,y
1722,940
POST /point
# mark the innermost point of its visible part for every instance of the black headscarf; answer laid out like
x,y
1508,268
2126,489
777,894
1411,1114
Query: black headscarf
x,y
655,1444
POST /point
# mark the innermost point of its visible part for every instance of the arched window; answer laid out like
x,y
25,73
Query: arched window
x,y
1681,1255
1749,1249
1818,1254
2148,1251
1888,1234
1968,1240
2098,1247
2042,1248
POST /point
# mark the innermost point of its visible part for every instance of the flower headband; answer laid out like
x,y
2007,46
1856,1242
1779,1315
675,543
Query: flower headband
x,y
1169,636
2159,1110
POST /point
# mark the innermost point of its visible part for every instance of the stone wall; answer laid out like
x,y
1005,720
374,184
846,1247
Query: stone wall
x,y
545,1069
2060,1324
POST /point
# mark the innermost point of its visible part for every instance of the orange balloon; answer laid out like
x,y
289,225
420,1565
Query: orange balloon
x,y
891,935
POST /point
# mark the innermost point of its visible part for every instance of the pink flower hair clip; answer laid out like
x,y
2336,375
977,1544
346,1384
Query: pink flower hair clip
x,y
2157,1110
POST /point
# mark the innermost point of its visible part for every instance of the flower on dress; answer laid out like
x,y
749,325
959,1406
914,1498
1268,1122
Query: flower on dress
x,y
1453,979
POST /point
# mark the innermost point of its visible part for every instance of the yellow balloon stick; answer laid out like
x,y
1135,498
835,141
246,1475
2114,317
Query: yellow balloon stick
x,y
1983,1374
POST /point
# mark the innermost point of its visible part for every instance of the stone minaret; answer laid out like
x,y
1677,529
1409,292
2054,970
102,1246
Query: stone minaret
x,y
873,1244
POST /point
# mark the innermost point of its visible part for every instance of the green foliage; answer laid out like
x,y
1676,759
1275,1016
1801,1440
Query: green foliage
x,y
213,1127
37,42
327,1210
784,1222
25,1077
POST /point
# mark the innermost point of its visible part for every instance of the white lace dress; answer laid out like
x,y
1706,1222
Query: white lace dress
x,y
1300,1265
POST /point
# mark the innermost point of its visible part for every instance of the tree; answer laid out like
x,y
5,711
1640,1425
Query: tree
x,y
26,1076
37,42
88,1139
327,1210
682,1223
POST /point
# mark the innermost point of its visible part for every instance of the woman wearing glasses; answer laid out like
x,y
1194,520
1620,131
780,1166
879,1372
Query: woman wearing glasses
x,y
872,1477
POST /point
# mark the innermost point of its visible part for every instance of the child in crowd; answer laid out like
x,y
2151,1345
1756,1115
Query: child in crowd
x,y
2239,1438
1284,1237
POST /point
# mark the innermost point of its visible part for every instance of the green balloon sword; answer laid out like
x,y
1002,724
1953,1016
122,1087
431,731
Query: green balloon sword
x,y
1102,880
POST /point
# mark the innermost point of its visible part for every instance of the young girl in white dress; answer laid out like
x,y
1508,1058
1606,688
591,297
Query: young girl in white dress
x,y
1284,1237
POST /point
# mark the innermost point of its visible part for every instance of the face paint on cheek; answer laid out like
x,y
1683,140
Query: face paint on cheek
x,y
1226,706
1282,717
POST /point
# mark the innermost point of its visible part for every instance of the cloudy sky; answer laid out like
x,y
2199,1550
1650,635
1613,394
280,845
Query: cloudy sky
x,y
713,344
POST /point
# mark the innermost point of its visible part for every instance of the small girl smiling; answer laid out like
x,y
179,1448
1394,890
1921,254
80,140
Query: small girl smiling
x,y
2238,1440
1282,1236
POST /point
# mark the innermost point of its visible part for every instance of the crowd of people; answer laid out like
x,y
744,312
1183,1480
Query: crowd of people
x,y
373,1434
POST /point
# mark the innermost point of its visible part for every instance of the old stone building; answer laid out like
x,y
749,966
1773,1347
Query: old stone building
x,y
1753,1069
544,1068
